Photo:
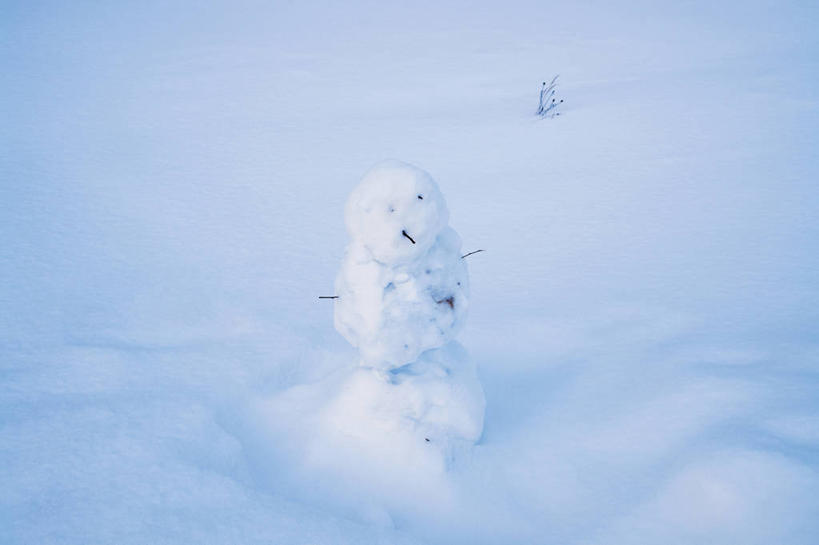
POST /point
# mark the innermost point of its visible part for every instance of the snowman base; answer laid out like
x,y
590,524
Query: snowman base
x,y
361,422
430,408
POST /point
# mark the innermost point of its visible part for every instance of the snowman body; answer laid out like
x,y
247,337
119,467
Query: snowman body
x,y
403,293
403,287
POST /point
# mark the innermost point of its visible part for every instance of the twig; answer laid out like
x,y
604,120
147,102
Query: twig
x,y
328,296
409,237
546,93
548,103
470,253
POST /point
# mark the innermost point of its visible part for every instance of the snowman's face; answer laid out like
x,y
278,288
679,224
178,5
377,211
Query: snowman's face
x,y
396,212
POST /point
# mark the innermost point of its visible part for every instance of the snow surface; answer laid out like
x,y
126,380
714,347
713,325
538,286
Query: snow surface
x,y
644,319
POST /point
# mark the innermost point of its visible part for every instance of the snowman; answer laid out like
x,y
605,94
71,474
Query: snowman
x,y
403,293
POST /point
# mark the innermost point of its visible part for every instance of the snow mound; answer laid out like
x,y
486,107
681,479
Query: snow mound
x,y
343,437
436,400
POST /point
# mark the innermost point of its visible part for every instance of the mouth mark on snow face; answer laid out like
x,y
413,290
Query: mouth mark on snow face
x,y
409,237
449,301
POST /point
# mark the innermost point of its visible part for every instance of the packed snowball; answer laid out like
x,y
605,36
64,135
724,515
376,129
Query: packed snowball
x,y
396,212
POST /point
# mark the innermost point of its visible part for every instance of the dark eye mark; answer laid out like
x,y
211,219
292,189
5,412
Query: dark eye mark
x,y
420,197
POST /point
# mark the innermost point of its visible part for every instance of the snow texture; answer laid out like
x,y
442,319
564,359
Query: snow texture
x,y
644,321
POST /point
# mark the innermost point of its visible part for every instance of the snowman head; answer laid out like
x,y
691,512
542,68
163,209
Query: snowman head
x,y
396,212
